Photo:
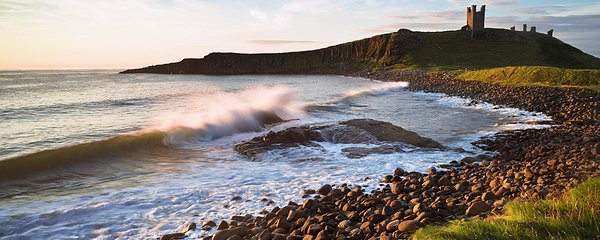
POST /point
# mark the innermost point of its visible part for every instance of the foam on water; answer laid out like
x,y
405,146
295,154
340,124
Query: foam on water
x,y
522,119
380,89
246,111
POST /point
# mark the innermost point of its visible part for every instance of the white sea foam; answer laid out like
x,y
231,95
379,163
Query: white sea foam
x,y
230,113
375,90
523,119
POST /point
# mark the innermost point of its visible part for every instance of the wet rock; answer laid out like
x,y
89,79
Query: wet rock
x,y
309,191
223,225
392,226
173,236
488,196
322,235
190,227
344,224
291,137
499,203
387,132
314,229
399,172
469,160
236,198
240,231
208,225
234,237
366,227
397,188
325,189
282,223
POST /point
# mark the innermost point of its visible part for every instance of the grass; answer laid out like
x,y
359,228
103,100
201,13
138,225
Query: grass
x,y
575,216
536,75
455,50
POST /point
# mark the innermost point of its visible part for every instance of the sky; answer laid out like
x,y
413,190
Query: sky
x,y
120,34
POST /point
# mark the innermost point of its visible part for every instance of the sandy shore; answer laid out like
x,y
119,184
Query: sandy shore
x,y
534,163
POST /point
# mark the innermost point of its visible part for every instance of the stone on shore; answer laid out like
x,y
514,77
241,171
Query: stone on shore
x,y
477,208
409,225
173,236
225,234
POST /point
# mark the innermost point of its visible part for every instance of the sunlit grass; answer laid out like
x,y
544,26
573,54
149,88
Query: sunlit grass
x,y
536,75
575,216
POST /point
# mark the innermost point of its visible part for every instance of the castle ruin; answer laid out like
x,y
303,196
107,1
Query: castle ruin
x,y
476,21
534,30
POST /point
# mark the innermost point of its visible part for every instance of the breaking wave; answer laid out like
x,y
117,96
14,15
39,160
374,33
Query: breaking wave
x,y
378,90
246,111
343,101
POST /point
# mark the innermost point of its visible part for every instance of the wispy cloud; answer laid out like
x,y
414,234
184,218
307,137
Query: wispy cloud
x,y
458,3
278,42
537,11
431,15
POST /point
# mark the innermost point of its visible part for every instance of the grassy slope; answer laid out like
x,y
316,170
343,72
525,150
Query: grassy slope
x,y
535,75
454,50
575,216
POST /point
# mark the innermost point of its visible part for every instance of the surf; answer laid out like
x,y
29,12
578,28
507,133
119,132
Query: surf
x,y
377,90
249,110
344,100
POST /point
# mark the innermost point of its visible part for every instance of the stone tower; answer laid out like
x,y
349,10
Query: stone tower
x,y
476,21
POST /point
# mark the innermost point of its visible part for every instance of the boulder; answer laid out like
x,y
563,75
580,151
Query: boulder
x,y
409,225
291,137
325,189
172,236
226,234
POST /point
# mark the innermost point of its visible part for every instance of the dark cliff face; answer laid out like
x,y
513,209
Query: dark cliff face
x,y
350,56
403,49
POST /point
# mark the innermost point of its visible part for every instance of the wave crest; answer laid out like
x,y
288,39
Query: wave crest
x,y
245,111
376,90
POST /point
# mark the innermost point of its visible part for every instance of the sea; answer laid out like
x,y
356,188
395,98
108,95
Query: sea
x,y
93,154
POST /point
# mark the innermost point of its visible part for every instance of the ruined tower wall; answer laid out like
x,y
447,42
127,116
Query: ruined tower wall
x,y
476,20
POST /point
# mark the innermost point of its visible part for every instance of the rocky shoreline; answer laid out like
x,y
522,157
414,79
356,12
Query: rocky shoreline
x,y
533,163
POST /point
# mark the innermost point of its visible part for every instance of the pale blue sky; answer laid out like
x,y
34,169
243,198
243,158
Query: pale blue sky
x,y
134,33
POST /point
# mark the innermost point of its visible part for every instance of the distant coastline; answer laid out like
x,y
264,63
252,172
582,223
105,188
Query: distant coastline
x,y
404,49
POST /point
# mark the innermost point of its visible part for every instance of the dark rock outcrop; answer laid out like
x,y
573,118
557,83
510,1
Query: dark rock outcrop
x,y
352,131
291,137
387,132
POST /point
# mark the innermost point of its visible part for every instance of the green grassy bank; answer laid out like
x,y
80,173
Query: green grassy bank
x,y
536,75
575,216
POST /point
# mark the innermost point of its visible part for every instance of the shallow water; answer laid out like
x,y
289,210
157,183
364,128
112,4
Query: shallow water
x,y
151,187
